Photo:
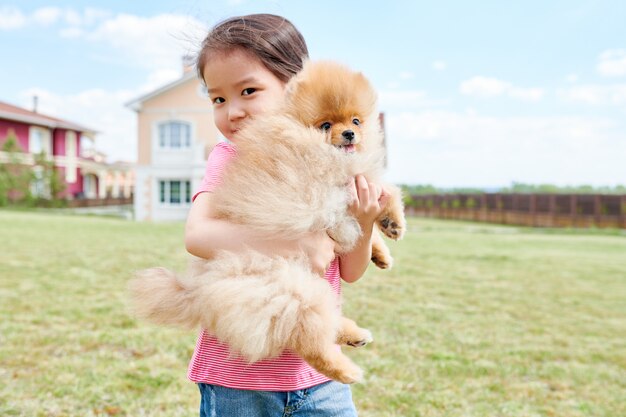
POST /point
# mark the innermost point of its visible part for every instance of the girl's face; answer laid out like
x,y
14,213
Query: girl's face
x,y
240,87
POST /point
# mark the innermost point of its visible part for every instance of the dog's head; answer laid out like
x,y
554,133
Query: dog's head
x,y
331,97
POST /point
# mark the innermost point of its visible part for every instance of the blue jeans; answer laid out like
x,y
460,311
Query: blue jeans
x,y
330,399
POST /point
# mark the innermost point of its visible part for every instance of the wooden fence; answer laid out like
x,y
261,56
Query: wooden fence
x,y
538,210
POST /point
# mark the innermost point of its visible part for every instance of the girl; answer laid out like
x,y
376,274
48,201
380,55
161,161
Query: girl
x,y
245,63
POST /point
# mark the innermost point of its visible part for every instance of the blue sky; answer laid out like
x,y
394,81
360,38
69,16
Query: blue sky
x,y
475,93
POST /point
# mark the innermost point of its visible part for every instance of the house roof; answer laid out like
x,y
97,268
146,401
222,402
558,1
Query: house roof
x,y
135,104
19,114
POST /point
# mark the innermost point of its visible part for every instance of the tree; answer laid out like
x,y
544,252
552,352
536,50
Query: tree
x,y
15,175
53,184
18,179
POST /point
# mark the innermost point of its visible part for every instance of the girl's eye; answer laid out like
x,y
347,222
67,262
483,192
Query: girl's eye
x,y
248,91
218,100
325,126
356,121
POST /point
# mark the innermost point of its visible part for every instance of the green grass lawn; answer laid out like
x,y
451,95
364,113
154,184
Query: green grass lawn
x,y
474,320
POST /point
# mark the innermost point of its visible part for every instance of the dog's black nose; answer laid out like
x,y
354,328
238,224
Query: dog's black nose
x,y
348,134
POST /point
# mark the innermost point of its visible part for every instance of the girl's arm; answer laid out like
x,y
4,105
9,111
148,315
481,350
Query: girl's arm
x,y
204,235
368,202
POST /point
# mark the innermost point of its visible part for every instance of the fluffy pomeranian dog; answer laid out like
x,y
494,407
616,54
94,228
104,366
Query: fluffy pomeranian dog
x,y
289,178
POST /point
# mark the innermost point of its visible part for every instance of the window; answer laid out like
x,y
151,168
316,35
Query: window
x,y
175,192
38,141
174,135
87,147
37,186
71,142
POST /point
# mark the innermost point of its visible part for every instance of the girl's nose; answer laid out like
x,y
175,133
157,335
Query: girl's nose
x,y
236,112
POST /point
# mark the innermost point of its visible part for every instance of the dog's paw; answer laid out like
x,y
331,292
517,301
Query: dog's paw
x,y
361,338
350,375
382,261
391,228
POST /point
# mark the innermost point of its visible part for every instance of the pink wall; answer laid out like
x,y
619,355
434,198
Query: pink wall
x,y
58,142
58,148
76,187
21,130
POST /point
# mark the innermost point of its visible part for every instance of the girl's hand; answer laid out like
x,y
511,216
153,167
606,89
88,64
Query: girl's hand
x,y
368,201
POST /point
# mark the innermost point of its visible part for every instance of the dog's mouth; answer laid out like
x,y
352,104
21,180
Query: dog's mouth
x,y
350,148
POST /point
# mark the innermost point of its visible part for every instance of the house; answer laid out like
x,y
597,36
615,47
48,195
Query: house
x,y
175,132
71,147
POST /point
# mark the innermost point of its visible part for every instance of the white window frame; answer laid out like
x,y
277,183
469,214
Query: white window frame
x,y
90,185
164,192
70,144
71,174
165,138
37,186
44,136
86,146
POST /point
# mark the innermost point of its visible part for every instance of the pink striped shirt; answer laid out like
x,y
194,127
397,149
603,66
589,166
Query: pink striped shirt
x,y
212,361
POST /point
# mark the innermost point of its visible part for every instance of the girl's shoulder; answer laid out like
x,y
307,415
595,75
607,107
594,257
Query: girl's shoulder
x,y
224,146
221,153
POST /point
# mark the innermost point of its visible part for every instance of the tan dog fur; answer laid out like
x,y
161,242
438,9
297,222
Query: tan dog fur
x,y
286,181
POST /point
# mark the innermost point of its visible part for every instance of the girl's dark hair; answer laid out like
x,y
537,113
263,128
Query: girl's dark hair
x,y
274,40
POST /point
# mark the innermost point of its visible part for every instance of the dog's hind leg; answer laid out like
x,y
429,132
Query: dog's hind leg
x,y
329,360
314,341
352,335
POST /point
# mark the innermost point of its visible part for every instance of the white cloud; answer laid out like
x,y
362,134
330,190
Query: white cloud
x,y
439,65
146,42
571,78
484,87
406,75
159,78
72,17
97,109
493,87
92,15
71,33
596,94
612,62
47,15
526,94
11,18
150,42
102,110
403,100
467,149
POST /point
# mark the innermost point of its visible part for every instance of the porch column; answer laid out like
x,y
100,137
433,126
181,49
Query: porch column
x,y
127,183
117,178
102,184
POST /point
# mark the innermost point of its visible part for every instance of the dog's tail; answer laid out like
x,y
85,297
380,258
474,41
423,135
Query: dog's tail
x,y
159,296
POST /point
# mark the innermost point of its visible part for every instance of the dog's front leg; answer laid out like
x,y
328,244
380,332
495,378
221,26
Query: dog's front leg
x,y
392,221
346,233
381,255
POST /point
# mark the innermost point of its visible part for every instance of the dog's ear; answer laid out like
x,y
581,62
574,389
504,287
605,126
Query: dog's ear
x,y
296,82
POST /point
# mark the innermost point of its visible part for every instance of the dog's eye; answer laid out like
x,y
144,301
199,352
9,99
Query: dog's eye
x,y
356,121
325,126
